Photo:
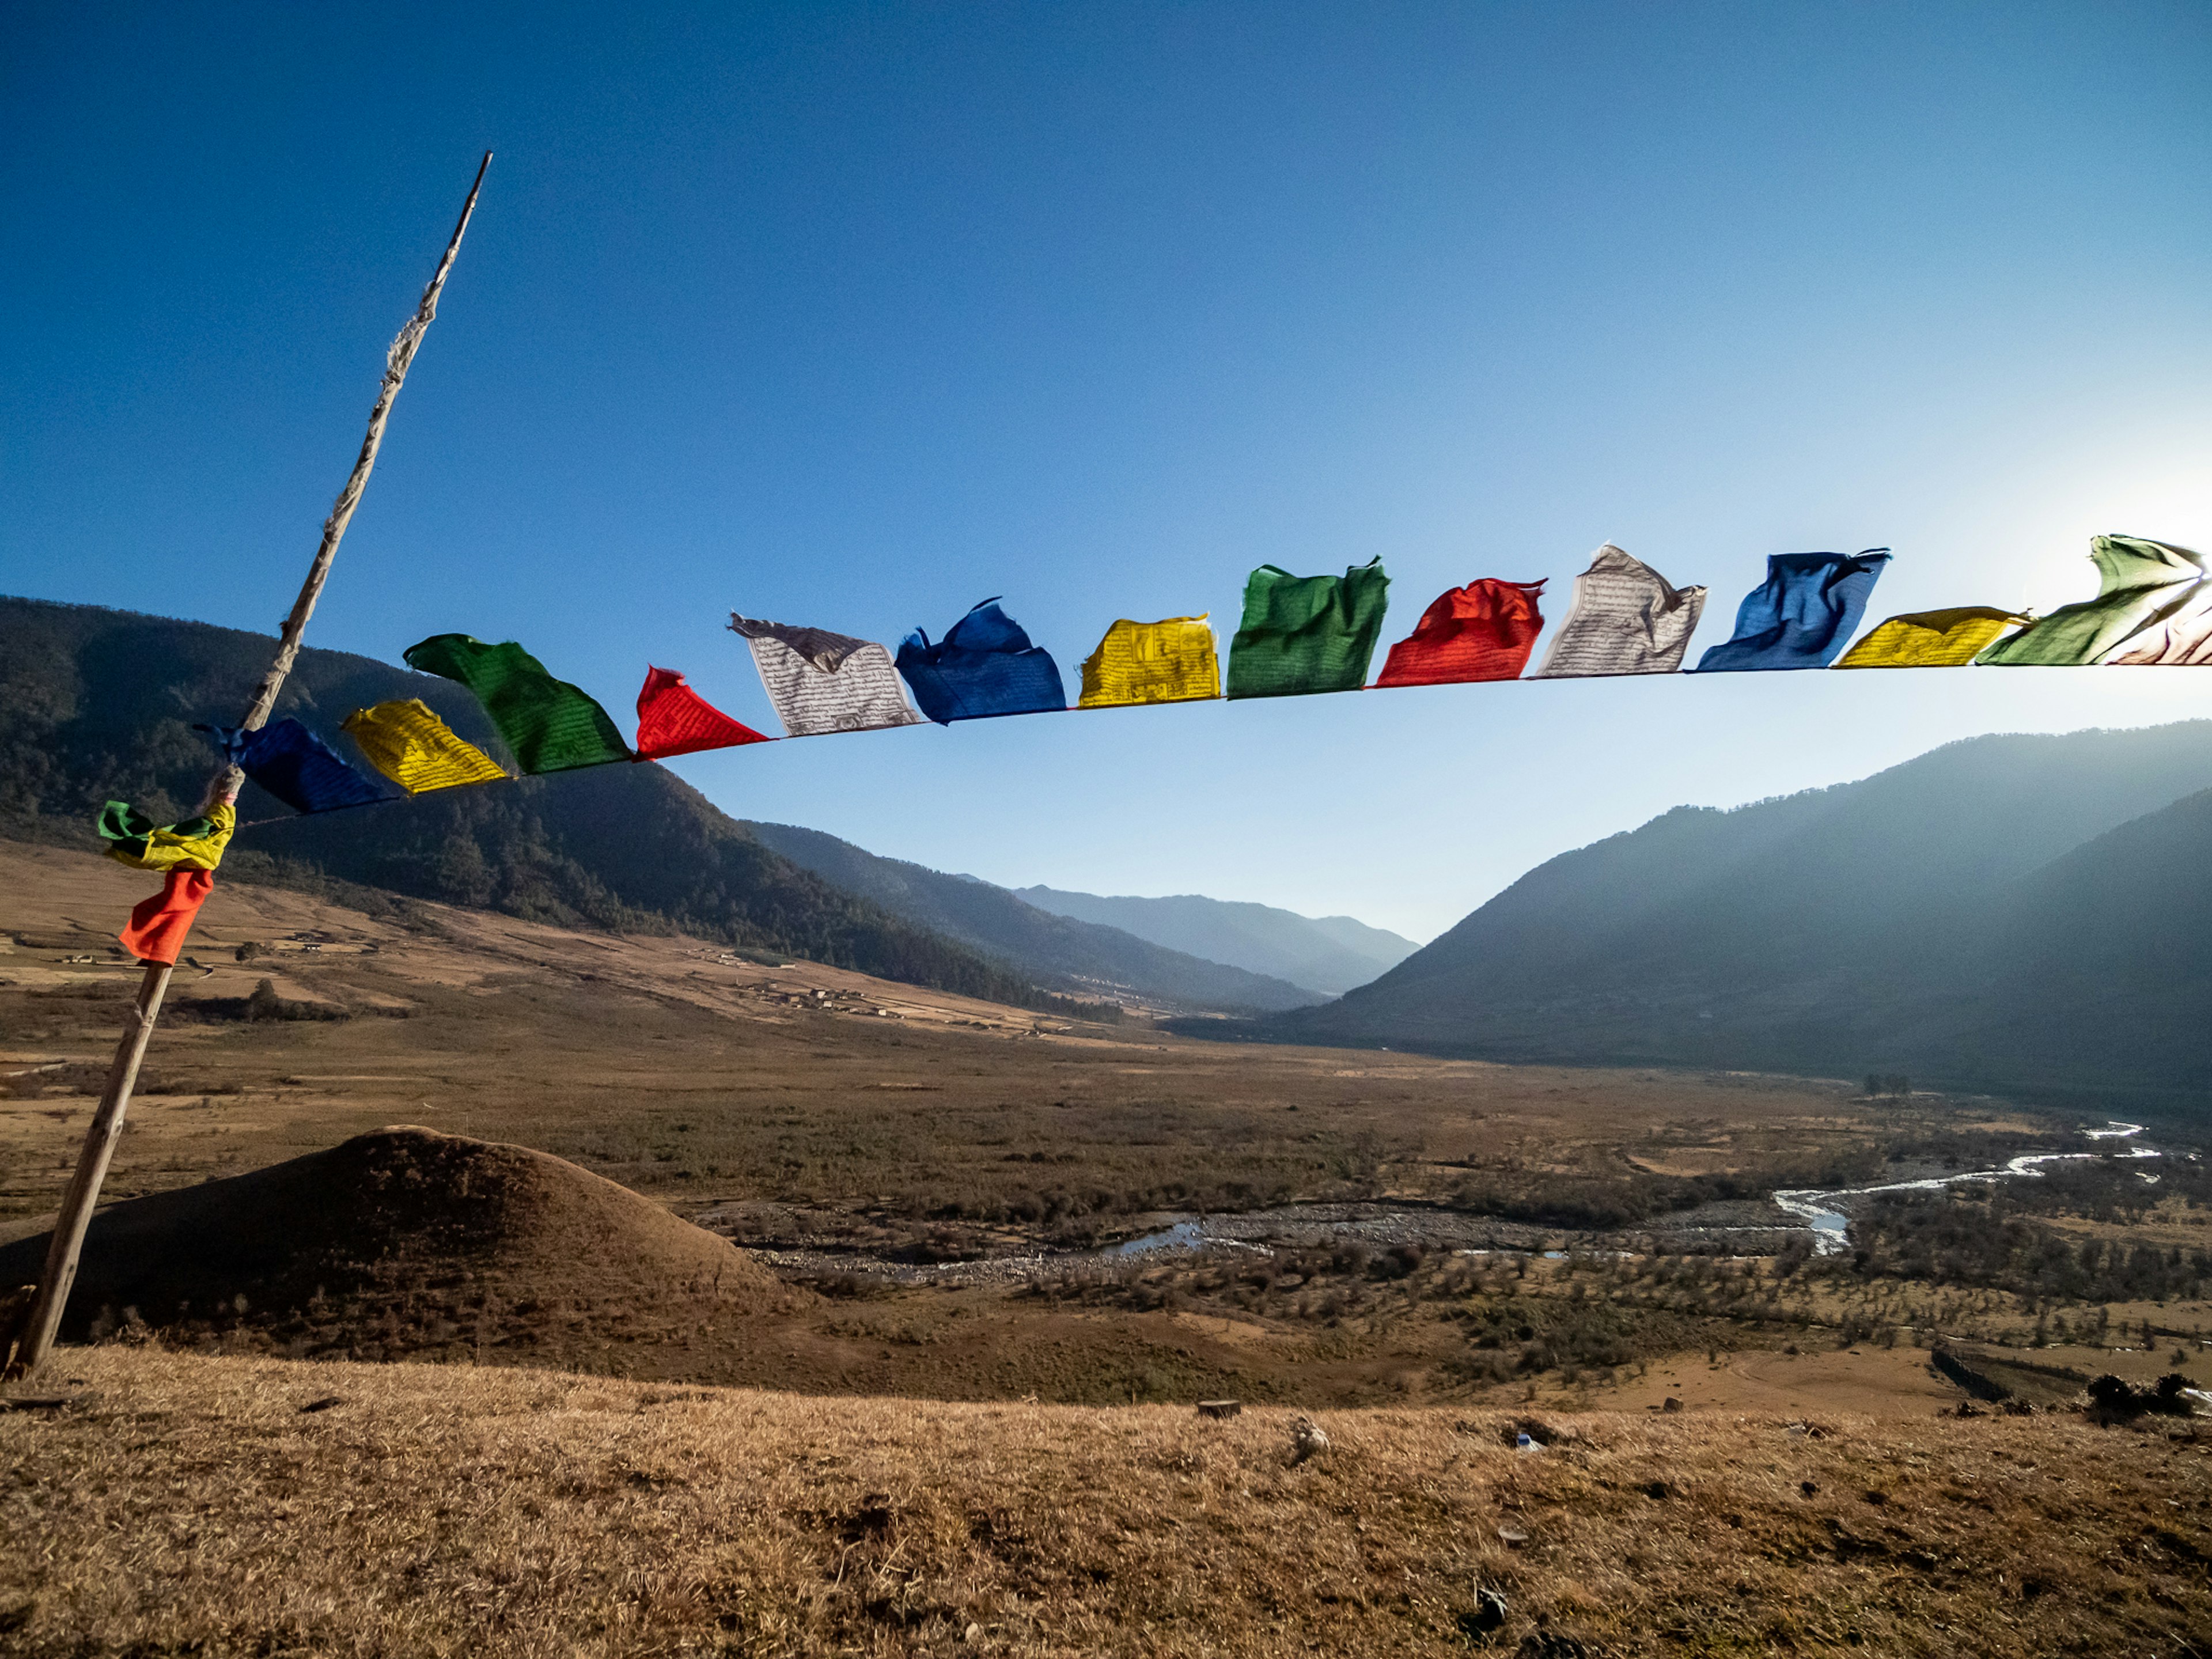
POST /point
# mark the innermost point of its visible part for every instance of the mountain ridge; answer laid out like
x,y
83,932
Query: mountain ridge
x,y
1326,954
1081,956
1899,922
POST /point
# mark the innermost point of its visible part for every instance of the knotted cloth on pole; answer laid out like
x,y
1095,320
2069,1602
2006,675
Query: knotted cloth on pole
x,y
2141,583
548,725
194,843
1303,635
1626,618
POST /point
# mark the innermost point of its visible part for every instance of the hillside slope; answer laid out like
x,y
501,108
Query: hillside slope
x,y
1326,954
1068,954
2008,912
101,703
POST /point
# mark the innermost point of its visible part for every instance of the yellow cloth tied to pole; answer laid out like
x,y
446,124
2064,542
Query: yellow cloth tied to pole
x,y
418,751
195,844
1932,639
1170,661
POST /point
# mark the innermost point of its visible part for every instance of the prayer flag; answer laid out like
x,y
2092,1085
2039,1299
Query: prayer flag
x,y
418,751
297,766
674,719
1169,661
1626,618
984,666
2181,638
2140,583
1930,639
1802,615
822,681
1483,631
550,724
1302,634
157,927
190,844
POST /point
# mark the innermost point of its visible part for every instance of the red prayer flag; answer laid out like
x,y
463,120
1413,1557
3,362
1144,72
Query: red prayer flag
x,y
158,925
1483,631
674,719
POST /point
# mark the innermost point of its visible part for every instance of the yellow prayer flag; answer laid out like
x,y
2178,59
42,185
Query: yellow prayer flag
x,y
165,849
418,751
1170,661
1931,639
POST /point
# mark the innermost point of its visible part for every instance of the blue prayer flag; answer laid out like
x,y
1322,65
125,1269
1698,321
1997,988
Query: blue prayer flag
x,y
297,766
1803,615
984,666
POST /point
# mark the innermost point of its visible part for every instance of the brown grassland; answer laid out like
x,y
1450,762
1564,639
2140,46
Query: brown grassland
x,y
194,1504
958,1423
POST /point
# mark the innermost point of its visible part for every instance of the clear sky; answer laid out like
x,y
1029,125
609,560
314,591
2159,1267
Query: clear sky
x,y
854,315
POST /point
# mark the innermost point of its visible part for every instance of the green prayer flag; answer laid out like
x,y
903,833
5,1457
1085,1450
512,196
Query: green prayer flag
x,y
2140,582
1307,634
550,724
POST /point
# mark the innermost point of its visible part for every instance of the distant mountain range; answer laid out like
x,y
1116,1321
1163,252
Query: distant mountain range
x,y
1082,958
1328,954
2019,914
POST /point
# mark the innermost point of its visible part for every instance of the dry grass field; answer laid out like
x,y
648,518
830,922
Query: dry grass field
x,y
898,1116
193,1505
636,1439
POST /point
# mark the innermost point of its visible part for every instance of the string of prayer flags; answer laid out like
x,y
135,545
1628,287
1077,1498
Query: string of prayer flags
x,y
822,681
1169,661
1483,631
674,719
1931,639
295,766
1303,635
984,666
159,925
411,745
1801,615
1626,618
2139,583
193,843
548,725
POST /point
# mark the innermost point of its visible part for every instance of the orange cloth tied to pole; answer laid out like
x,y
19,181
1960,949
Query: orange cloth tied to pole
x,y
158,925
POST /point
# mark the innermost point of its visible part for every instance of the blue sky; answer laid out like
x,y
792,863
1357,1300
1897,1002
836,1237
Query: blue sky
x,y
855,315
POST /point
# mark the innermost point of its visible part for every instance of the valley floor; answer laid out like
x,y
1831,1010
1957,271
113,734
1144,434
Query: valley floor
x,y
213,1505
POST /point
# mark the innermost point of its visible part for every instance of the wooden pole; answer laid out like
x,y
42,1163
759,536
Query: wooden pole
x,y
83,1191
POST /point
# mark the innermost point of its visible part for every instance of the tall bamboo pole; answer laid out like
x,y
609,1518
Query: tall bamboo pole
x,y
83,1192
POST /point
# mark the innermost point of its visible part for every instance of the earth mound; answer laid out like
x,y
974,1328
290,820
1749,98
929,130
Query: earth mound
x,y
411,1243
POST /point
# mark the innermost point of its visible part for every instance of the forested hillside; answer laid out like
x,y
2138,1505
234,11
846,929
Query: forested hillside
x,y
101,704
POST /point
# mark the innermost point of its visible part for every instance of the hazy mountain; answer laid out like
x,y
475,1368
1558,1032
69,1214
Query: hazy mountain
x,y
1079,957
100,704
1327,954
2019,913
